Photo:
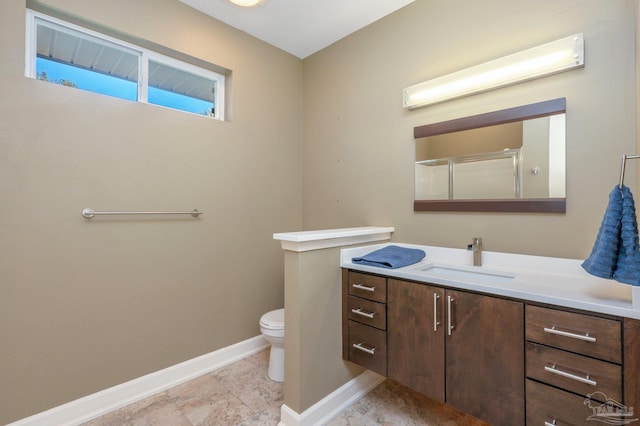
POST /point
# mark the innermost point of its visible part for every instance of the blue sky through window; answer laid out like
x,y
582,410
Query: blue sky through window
x,y
120,88
88,80
177,101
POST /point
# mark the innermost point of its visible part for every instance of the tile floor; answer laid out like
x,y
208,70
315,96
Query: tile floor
x,y
242,394
238,394
392,404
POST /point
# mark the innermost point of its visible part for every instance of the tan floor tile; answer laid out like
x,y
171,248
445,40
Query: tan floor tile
x,y
393,404
241,394
159,416
120,416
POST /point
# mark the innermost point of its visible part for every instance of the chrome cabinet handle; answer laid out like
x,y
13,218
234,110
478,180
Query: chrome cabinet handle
x,y
554,369
359,311
554,330
361,347
553,423
436,323
364,287
450,325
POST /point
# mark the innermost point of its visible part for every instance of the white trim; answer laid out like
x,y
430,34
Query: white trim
x,y
100,403
333,404
220,97
143,83
326,238
30,42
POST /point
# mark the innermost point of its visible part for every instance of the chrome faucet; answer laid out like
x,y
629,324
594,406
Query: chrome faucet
x,y
476,247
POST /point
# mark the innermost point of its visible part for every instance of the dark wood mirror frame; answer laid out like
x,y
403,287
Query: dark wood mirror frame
x,y
522,205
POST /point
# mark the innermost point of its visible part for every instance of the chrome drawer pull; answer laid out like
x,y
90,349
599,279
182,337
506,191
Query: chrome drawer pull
x,y
553,423
364,287
360,347
436,323
553,369
585,336
450,325
363,313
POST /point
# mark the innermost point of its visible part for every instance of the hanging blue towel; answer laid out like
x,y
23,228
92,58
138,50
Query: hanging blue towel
x,y
391,257
604,255
628,264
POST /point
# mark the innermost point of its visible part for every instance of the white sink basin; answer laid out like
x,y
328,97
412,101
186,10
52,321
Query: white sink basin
x,y
465,273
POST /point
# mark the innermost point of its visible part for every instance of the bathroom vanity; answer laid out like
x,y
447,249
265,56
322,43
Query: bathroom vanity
x,y
521,340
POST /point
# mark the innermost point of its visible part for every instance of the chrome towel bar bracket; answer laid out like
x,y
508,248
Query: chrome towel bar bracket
x,y
90,213
625,157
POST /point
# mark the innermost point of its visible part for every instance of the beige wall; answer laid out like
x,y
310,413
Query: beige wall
x,y
469,142
313,355
85,305
359,149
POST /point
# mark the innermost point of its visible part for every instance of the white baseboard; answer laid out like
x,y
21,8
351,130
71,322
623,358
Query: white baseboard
x,y
100,403
333,404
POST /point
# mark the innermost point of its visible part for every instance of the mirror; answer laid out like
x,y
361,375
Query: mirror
x,y
511,160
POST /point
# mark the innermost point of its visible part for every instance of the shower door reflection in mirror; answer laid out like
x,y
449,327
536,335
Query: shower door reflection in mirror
x,y
510,160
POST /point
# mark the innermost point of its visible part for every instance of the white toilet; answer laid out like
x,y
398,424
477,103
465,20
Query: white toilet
x,y
272,328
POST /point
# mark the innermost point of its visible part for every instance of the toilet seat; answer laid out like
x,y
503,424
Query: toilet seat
x,y
273,320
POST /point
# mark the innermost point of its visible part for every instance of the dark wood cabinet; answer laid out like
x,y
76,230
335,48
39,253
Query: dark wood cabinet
x,y
416,337
364,320
576,358
584,334
492,357
547,405
458,347
484,357
368,347
631,363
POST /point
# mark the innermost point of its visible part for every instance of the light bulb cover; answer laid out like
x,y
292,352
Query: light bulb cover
x,y
248,3
557,56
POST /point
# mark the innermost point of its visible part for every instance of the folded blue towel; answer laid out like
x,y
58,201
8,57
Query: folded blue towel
x,y
391,257
604,255
628,265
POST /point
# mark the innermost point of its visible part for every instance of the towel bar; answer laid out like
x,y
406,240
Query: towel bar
x,y
625,157
89,213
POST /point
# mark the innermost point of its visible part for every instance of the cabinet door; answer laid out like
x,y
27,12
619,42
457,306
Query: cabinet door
x,y
631,359
485,357
415,343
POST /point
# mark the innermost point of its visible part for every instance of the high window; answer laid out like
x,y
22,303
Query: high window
x,y
63,53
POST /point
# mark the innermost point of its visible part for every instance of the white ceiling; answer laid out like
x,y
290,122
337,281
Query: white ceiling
x,y
300,27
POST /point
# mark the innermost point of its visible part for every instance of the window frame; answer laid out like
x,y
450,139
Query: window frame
x,y
144,55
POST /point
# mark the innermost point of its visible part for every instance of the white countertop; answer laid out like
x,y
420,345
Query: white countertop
x,y
555,281
325,238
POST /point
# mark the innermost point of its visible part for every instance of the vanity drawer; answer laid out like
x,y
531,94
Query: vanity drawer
x,y
368,347
551,406
573,372
367,312
584,334
367,286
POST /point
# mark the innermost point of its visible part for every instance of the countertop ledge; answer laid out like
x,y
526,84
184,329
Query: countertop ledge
x,y
326,238
550,280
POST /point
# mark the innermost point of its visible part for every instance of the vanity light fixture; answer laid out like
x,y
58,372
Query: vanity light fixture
x,y
557,56
248,3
